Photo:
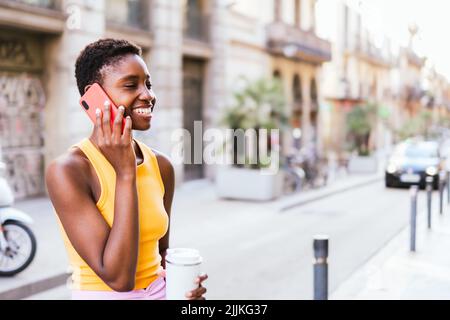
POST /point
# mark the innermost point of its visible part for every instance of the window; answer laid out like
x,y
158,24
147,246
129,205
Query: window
x,y
297,92
313,16
298,13
49,4
196,22
277,74
314,96
132,13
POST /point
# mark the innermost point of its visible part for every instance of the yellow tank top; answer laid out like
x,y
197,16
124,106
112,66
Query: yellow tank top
x,y
153,218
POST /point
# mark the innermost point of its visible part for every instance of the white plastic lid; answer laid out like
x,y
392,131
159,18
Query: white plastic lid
x,y
183,256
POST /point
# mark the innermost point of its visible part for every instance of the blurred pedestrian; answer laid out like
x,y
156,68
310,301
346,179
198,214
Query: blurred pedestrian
x,y
113,194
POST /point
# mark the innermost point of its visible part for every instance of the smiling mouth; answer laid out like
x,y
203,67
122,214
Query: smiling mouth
x,y
144,106
143,111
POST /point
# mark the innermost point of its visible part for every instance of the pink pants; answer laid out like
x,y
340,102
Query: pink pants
x,y
155,291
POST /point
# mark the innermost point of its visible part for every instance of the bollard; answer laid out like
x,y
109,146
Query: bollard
x,y
429,187
448,187
441,192
413,193
320,246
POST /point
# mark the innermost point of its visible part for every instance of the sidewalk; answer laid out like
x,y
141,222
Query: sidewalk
x,y
196,207
350,182
395,273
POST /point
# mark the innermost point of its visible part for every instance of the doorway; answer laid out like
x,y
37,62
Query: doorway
x,y
193,75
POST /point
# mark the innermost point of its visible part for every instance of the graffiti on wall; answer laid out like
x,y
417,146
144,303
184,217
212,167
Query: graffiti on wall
x,y
15,50
21,131
25,172
20,52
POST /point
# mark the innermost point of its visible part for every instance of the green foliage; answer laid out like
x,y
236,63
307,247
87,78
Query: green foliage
x,y
360,122
416,126
259,104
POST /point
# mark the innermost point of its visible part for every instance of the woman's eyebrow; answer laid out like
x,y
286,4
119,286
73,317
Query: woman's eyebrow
x,y
132,77
129,77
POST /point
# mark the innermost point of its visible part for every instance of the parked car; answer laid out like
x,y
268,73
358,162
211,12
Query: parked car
x,y
413,161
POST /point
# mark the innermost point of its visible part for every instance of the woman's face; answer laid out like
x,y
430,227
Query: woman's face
x,y
128,83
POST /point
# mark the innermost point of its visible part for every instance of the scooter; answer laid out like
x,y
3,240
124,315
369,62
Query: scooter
x,y
17,241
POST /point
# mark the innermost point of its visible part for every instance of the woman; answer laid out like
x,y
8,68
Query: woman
x,y
113,194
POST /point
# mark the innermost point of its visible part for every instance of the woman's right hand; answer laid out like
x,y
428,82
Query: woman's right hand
x,y
117,147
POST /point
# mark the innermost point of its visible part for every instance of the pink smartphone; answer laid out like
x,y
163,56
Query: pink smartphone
x,y
94,98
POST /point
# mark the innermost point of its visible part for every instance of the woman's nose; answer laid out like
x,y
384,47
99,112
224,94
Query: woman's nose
x,y
147,95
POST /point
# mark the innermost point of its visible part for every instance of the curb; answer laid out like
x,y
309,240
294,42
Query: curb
x,y
35,287
329,193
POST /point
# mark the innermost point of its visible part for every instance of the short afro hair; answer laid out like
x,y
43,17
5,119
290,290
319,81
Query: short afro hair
x,y
98,55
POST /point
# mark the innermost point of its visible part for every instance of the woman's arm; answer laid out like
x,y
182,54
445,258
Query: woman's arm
x,y
168,177
111,252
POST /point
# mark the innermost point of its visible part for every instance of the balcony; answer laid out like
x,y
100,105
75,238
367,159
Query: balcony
x,y
127,14
294,43
414,59
129,19
196,26
35,15
47,4
414,92
196,36
370,53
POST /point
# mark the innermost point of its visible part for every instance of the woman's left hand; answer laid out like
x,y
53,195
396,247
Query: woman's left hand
x,y
197,293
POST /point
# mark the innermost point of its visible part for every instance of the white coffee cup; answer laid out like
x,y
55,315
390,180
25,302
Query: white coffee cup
x,y
182,269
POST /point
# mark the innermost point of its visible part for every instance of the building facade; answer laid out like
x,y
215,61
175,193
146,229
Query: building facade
x,y
360,73
40,40
279,39
195,50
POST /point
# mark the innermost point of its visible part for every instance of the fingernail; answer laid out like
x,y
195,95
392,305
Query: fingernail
x,y
97,111
106,103
122,108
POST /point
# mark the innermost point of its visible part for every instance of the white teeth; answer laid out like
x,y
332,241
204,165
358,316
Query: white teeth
x,y
143,111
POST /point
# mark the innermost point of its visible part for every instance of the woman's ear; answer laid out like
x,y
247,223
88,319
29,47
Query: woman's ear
x,y
87,87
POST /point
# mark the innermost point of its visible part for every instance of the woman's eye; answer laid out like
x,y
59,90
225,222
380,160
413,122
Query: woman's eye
x,y
130,85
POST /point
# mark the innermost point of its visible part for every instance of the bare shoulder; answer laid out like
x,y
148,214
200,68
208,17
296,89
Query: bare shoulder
x,y
163,160
166,169
72,160
71,168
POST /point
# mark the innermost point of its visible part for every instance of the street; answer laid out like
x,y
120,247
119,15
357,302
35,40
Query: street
x,y
267,255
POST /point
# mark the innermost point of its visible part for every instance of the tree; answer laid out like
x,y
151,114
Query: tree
x,y
421,125
360,123
259,104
